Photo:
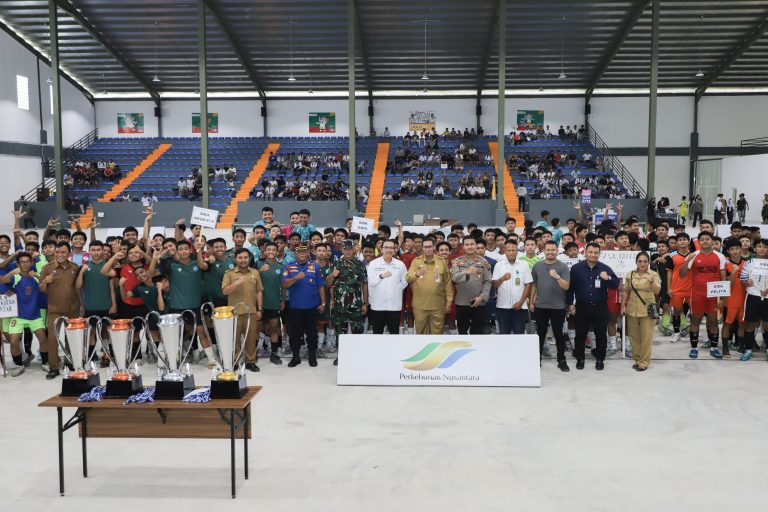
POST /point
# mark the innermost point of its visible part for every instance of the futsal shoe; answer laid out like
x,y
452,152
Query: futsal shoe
x,y
676,337
746,357
715,352
694,353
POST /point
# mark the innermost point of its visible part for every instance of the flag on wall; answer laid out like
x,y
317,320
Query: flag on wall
x,y
322,122
418,121
213,122
529,119
130,123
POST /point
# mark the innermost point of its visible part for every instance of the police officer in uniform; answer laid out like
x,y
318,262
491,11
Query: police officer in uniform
x,y
304,280
349,280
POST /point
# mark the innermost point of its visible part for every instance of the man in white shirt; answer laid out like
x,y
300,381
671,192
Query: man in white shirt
x,y
386,282
512,280
522,193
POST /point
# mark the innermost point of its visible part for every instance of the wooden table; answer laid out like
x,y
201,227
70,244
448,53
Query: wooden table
x,y
161,419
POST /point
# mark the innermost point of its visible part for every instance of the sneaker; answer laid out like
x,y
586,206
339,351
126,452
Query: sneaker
x,y
746,357
611,351
715,352
629,352
46,367
197,356
320,354
212,364
28,360
676,337
706,344
17,371
545,351
694,353
252,367
726,355
275,359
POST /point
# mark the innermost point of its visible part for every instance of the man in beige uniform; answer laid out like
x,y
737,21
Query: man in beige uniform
x,y
243,284
57,279
430,282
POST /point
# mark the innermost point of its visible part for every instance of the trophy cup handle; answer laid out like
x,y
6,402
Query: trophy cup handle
x,y
192,337
151,341
101,340
205,326
62,342
90,353
130,338
247,328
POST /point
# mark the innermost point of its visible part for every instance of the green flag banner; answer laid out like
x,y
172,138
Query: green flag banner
x,y
529,119
322,122
130,123
213,122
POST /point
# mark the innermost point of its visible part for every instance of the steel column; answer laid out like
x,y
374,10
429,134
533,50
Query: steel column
x,y
351,21
694,155
53,23
502,30
203,101
651,181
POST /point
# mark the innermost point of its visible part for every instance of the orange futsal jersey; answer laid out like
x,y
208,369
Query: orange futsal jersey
x,y
680,286
738,290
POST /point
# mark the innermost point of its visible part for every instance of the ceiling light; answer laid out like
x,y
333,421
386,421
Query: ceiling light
x,y
425,77
291,78
562,75
700,73
541,88
562,49
156,79
48,80
311,91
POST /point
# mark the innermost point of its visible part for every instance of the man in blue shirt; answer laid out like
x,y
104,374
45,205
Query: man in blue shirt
x,y
304,228
305,281
590,280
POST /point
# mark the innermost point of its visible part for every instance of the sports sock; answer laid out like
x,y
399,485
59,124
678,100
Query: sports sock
x,y
18,360
694,339
676,324
209,353
44,357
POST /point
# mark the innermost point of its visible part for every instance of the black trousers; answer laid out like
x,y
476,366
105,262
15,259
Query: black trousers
x,y
594,316
381,319
302,322
696,216
556,317
470,320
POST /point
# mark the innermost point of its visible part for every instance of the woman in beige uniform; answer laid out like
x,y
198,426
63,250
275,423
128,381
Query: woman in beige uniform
x,y
642,286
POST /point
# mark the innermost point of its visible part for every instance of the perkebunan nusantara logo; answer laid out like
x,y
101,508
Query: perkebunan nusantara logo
x,y
438,355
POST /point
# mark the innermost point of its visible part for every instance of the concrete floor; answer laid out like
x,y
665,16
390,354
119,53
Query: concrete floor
x,y
685,435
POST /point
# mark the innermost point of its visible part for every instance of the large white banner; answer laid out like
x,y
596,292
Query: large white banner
x,y
439,360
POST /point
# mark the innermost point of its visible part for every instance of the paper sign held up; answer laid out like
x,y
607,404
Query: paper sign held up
x,y
363,226
204,217
719,289
9,306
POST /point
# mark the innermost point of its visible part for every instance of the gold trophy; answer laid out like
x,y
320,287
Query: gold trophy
x,y
73,336
124,376
174,380
229,382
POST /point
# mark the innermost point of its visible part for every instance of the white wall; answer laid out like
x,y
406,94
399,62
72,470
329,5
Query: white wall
x,y
26,173
24,125
623,122
671,174
106,117
727,120
291,117
743,173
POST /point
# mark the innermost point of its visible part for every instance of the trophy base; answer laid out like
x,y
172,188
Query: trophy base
x,y
76,387
124,388
229,388
174,389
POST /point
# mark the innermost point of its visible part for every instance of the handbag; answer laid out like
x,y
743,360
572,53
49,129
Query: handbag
x,y
653,309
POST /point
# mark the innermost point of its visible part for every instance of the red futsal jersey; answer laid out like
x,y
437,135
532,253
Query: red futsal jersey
x,y
705,268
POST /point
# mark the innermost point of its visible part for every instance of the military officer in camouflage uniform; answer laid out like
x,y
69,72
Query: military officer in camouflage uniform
x,y
349,293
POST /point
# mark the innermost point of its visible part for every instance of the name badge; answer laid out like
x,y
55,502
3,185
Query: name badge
x,y
517,281
597,283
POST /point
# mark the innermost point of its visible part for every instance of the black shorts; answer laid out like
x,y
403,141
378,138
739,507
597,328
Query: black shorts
x,y
187,319
134,311
663,298
270,314
100,313
756,309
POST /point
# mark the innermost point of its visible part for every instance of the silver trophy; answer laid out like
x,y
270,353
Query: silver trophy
x,y
170,347
121,338
73,336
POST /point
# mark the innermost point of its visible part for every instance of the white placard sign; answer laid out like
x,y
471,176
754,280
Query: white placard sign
x,y
363,226
719,289
439,360
621,262
9,306
204,217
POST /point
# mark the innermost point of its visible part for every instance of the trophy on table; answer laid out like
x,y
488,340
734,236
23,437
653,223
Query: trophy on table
x,y
73,336
124,376
174,379
229,382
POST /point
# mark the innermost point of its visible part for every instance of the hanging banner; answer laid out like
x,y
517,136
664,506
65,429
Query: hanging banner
x,y
213,122
322,122
529,119
418,121
586,196
130,123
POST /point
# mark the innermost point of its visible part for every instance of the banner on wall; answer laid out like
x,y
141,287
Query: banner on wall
x,y
418,121
130,123
322,122
529,119
213,122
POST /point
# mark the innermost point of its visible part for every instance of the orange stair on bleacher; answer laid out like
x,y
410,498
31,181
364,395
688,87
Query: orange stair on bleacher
x,y
227,219
376,190
125,182
510,193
